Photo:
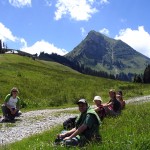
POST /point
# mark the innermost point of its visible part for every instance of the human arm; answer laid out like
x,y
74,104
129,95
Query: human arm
x,y
68,133
85,126
18,103
7,98
108,104
9,102
97,109
78,131
9,107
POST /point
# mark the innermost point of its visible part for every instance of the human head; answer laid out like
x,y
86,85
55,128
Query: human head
x,y
119,94
82,104
14,91
97,100
112,93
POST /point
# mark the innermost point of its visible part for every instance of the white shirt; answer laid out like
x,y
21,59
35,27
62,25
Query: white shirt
x,y
12,102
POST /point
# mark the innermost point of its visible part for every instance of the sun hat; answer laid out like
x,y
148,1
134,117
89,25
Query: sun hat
x,y
97,98
14,89
82,101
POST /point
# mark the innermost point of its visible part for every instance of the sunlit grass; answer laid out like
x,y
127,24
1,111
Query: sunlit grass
x,y
45,84
128,131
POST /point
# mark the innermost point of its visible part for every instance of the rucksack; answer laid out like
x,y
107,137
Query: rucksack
x,y
102,113
69,123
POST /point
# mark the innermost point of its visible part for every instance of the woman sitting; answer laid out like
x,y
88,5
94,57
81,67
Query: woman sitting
x,y
10,108
119,97
113,107
99,107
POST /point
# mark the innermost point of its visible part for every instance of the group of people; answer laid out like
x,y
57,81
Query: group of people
x,y
11,106
113,107
86,127
87,123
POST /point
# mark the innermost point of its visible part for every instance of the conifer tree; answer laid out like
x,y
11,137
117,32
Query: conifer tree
x,y
0,46
146,76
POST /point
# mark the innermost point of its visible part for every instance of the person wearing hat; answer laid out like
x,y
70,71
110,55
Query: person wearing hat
x,y
86,126
99,107
119,96
11,105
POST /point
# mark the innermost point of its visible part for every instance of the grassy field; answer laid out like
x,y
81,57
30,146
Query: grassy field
x,y
129,131
48,84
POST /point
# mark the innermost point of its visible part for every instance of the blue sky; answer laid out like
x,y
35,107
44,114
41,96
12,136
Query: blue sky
x,y
58,26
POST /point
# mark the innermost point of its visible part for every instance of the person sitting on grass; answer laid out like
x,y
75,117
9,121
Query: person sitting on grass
x,y
99,107
119,97
86,127
113,107
10,108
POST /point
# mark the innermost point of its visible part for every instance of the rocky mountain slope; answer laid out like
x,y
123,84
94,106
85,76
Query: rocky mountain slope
x,y
102,53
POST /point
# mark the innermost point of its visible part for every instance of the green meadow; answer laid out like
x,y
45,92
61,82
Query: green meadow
x,y
44,84
129,131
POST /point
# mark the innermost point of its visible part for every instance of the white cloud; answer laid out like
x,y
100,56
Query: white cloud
x,y
48,3
83,32
20,3
20,43
76,9
104,1
104,31
6,34
138,39
23,42
43,46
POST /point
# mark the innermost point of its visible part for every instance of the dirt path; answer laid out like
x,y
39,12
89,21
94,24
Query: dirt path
x,y
33,122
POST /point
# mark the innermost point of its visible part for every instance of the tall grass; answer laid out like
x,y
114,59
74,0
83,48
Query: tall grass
x,y
129,131
47,84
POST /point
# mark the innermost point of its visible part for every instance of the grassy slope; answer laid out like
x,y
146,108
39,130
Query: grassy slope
x,y
130,131
45,84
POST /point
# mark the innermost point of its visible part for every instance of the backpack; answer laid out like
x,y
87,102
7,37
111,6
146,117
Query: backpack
x,y
69,123
102,113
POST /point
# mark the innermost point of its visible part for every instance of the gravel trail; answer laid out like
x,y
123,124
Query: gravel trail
x,y
33,122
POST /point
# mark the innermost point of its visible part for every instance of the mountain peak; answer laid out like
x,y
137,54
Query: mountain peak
x,y
102,53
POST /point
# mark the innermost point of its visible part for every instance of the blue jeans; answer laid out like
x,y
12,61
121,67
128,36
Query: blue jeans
x,y
70,142
7,113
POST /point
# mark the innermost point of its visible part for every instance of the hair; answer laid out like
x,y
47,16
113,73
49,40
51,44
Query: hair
x,y
113,91
120,93
14,89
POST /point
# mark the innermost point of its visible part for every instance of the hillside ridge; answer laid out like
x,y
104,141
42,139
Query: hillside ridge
x,y
101,53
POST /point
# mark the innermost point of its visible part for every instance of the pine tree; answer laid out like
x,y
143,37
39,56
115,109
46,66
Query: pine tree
x,y
0,46
146,76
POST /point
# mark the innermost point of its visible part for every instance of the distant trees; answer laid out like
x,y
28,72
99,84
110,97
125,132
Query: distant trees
x,y
0,46
81,68
145,78
138,78
3,47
